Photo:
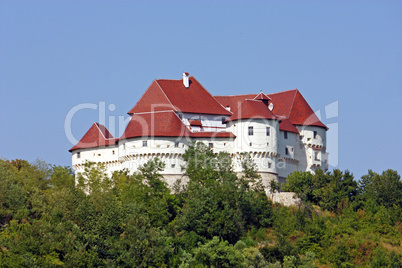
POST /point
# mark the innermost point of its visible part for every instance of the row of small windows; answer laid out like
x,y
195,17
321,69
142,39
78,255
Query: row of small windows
x,y
145,144
251,131
285,133
79,154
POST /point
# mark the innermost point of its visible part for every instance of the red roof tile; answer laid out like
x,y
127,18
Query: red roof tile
x,y
96,136
196,123
288,104
165,95
292,105
154,99
234,101
158,124
285,125
249,109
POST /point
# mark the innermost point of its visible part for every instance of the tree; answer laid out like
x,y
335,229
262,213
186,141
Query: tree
x,y
218,203
384,189
328,190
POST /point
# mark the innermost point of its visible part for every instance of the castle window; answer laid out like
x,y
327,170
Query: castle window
x,y
181,116
250,131
316,156
124,146
173,165
79,155
269,164
315,134
211,145
113,152
286,151
301,137
176,144
223,120
285,135
268,131
144,143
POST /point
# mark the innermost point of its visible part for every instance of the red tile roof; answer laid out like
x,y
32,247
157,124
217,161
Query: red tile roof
x,y
165,95
292,105
249,109
154,115
96,136
234,101
196,123
158,124
285,125
288,104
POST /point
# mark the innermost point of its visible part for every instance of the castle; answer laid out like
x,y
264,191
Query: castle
x,y
280,131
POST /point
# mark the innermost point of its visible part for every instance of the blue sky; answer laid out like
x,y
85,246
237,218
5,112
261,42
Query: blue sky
x,y
55,55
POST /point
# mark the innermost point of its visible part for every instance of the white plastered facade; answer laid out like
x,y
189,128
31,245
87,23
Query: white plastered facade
x,y
275,153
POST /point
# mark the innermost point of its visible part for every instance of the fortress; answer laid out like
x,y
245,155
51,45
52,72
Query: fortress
x,y
280,131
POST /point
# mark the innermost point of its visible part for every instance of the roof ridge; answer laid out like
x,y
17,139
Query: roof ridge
x,y
291,107
164,111
97,125
234,95
295,89
167,79
174,107
211,95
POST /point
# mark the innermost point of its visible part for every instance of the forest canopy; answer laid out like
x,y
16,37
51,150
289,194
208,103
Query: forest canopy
x,y
50,218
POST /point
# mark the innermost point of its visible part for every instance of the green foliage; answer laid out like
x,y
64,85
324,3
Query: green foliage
x,y
49,217
385,189
328,190
219,203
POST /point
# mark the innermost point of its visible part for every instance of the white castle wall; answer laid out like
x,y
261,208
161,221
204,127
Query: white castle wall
x,y
133,152
268,152
288,162
315,155
107,155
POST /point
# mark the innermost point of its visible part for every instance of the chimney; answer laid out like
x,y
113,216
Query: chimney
x,y
185,80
